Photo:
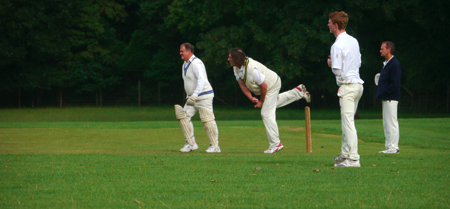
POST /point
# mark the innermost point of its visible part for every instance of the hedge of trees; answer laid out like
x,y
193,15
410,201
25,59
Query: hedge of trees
x,y
128,50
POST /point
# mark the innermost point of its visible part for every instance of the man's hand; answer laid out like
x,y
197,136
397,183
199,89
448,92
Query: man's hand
x,y
191,100
254,100
258,104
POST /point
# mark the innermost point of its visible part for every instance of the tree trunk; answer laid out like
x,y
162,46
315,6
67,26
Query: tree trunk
x,y
235,96
375,98
20,102
159,93
101,98
60,97
38,97
139,93
96,98
32,98
412,96
448,94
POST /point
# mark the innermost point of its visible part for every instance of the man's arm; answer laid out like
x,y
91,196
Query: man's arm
x,y
199,70
263,95
246,91
335,60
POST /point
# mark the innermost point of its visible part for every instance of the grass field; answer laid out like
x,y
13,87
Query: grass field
x,y
114,158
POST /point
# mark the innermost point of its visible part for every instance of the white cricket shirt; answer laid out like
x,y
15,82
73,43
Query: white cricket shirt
x,y
257,76
346,60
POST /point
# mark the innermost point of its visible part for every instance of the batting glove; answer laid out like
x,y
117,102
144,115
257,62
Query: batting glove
x,y
191,100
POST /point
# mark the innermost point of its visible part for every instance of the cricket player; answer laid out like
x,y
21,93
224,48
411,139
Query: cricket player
x,y
345,61
200,98
254,77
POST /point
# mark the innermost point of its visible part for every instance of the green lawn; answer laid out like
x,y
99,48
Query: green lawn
x,y
71,163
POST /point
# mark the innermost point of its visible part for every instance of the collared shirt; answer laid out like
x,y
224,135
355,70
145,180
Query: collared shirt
x,y
197,68
258,77
385,62
346,60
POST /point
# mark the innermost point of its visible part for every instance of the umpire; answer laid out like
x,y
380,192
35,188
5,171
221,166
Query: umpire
x,y
388,91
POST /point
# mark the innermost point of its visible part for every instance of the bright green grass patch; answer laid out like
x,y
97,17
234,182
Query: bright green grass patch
x,y
198,180
425,133
138,165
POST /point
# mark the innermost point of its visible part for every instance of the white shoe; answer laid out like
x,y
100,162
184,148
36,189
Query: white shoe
x,y
211,149
188,148
306,96
348,163
390,151
274,149
339,159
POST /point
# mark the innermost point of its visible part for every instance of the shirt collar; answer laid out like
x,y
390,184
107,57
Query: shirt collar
x,y
340,35
192,57
385,62
242,68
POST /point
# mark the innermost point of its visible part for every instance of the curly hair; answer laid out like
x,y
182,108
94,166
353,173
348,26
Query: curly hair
x,y
238,56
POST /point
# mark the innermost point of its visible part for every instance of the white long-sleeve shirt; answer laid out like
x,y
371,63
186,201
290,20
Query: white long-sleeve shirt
x,y
346,60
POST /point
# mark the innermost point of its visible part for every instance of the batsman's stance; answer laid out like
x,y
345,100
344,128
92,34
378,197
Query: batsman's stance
x,y
254,77
200,97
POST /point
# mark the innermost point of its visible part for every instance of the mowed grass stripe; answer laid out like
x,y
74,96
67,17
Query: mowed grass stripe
x,y
233,139
166,135
138,165
199,180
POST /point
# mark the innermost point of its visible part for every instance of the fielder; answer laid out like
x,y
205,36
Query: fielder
x,y
254,77
200,97
345,61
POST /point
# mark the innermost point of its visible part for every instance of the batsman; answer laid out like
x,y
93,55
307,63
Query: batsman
x,y
199,98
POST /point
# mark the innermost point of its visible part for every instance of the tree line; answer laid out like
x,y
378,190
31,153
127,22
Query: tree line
x,y
104,48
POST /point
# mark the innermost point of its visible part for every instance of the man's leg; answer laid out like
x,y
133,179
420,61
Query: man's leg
x,y
390,124
293,95
210,125
187,127
268,114
349,96
205,108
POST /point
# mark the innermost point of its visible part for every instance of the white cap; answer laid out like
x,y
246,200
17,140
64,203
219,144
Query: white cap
x,y
377,77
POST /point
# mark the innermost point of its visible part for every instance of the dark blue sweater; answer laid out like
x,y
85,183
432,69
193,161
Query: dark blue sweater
x,y
389,83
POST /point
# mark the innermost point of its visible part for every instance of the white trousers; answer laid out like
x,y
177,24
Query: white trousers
x,y
390,124
273,101
349,96
191,110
